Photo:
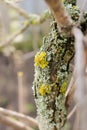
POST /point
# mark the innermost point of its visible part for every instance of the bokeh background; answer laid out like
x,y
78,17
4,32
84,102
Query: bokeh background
x,y
17,58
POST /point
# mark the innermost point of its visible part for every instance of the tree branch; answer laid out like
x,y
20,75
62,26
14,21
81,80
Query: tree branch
x,y
12,38
72,112
79,65
34,20
13,123
25,14
61,15
29,55
21,11
80,86
70,86
10,113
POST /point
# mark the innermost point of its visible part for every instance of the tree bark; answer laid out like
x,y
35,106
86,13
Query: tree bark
x,y
61,15
50,100
52,73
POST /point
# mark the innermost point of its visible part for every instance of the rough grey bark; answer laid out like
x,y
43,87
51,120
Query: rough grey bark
x,y
52,71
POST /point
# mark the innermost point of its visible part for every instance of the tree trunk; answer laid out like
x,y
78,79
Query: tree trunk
x,y
51,79
52,72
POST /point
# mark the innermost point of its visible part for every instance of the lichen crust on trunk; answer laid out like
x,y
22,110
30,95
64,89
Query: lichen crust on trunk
x,y
51,76
52,71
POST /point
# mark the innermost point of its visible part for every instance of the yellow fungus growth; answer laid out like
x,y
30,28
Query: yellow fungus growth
x,y
74,7
63,1
47,88
40,60
44,89
63,87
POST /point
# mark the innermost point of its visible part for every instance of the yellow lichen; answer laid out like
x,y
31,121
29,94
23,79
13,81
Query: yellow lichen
x,y
74,7
47,88
63,1
44,89
40,60
63,87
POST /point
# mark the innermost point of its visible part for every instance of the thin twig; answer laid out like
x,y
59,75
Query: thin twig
x,y
81,13
79,64
3,31
17,125
72,112
20,75
34,19
25,14
29,55
11,39
21,11
28,119
70,86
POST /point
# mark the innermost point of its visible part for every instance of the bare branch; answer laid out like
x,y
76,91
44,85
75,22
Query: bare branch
x,y
29,55
28,119
79,64
11,39
72,112
25,14
81,86
13,123
61,15
34,19
70,86
21,11
81,13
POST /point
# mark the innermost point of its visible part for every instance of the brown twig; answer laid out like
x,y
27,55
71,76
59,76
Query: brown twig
x,y
79,64
80,85
10,113
29,55
17,125
61,15
70,86
20,91
72,112
81,13
11,39
12,5
34,19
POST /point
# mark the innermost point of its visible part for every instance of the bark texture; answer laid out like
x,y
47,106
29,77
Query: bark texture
x,y
52,72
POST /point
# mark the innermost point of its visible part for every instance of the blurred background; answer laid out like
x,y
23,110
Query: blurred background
x,y
17,58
